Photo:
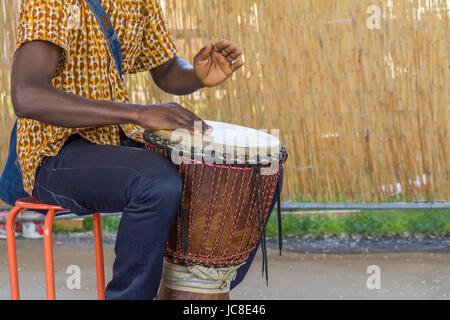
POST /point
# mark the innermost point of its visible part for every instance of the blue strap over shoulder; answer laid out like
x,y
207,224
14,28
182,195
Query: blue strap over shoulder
x,y
108,30
11,186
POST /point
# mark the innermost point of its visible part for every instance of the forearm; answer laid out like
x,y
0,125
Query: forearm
x,y
176,77
53,106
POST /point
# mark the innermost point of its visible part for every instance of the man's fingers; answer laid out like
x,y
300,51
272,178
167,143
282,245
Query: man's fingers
x,y
208,130
236,65
205,52
185,113
229,50
187,119
194,128
171,116
221,44
194,117
234,55
204,128
221,61
181,123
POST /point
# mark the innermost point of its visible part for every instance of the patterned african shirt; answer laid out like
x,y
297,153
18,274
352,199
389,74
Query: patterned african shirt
x,y
86,67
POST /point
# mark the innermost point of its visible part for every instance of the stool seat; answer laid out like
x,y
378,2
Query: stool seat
x,y
34,203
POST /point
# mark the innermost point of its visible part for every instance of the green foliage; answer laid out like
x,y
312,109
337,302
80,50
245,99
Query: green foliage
x,y
365,223
109,224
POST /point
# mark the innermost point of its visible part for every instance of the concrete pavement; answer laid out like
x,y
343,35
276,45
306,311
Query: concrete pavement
x,y
295,275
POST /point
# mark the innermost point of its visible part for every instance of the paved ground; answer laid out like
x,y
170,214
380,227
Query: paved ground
x,y
295,275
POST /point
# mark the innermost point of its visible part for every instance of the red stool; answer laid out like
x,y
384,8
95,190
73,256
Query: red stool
x,y
33,203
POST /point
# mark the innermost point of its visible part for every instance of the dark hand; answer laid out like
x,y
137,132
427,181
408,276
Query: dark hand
x,y
217,62
169,116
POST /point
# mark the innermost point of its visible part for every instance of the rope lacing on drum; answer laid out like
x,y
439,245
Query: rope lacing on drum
x,y
184,232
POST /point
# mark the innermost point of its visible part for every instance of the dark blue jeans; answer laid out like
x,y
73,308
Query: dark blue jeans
x,y
146,187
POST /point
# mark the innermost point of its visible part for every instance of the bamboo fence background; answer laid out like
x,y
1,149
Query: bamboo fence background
x,y
364,113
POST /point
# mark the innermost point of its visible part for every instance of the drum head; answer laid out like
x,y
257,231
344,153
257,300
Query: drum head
x,y
227,144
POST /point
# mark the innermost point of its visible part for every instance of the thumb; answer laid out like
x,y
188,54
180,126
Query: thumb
x,y
206,51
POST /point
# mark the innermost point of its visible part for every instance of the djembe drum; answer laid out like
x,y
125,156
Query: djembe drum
x,y
229,181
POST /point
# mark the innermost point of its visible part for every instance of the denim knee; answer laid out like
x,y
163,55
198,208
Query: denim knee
x,y
158,192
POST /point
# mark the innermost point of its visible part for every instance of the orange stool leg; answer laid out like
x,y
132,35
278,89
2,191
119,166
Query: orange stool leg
x,y
12,253
99,260
48,252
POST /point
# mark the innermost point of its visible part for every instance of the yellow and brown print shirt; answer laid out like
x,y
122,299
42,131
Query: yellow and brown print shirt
x,y
87,68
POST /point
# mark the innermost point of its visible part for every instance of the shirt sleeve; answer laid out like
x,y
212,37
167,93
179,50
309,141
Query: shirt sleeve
x,y
46,20
158,45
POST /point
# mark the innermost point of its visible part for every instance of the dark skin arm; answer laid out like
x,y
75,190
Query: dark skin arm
x,y
213,64
34,97
176,77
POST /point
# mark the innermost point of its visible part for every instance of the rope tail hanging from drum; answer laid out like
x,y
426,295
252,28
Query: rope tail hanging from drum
x,y
261,216
261,221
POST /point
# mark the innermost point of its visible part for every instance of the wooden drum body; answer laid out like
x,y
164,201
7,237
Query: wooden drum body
x,y
226,201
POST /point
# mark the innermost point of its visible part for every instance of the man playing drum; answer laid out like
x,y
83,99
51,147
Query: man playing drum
x,y
80,140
